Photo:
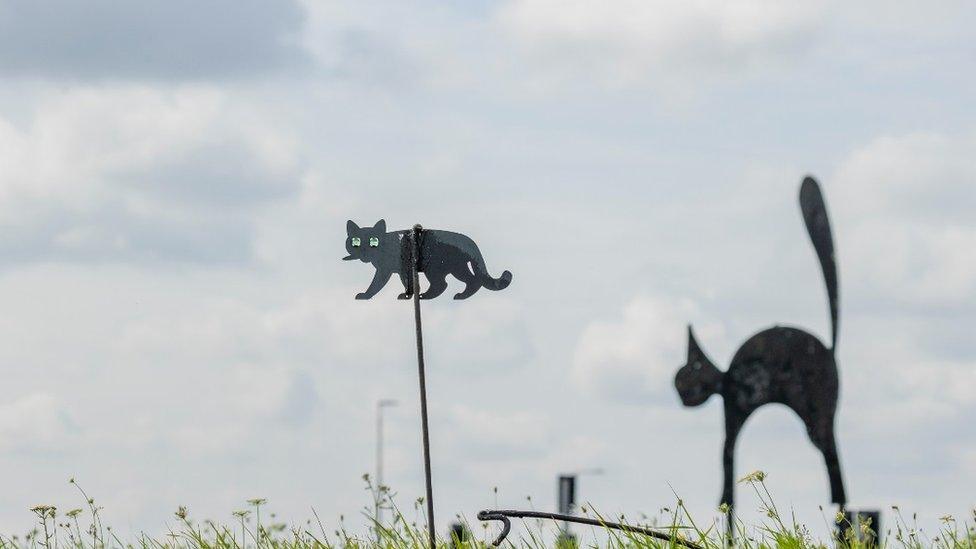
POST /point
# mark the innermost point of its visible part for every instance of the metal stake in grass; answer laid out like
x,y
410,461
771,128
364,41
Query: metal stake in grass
x,y
428,480
408,253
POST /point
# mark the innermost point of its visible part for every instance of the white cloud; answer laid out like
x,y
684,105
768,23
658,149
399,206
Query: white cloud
x,y
922,176
907,205
136,172
277,394
489,334
36,423
634,358
623,42
500,435
158,39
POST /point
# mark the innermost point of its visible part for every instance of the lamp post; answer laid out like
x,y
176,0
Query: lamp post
x,y
378,509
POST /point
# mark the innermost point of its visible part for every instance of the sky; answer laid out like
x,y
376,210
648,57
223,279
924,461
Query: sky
x,y
178,327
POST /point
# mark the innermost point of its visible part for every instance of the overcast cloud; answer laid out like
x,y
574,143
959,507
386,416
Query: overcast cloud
x,y
179,329
157,39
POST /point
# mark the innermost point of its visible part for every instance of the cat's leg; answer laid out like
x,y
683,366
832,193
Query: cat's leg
x,y
821,431
827,443
733,424
405,278
438,283
472,284
380,279
837,493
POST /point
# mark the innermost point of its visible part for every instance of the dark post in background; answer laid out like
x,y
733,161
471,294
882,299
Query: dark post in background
x,y
566,505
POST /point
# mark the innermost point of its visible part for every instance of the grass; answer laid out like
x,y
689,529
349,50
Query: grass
x,y
255,528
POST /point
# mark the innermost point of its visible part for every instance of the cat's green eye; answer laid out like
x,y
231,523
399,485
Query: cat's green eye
x,y
356,242
374,242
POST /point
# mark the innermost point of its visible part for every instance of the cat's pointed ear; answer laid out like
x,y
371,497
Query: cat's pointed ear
x,y
694,350
380,226
351,227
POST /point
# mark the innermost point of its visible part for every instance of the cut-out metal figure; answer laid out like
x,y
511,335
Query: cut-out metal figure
x,y
409,253
778,365
441,253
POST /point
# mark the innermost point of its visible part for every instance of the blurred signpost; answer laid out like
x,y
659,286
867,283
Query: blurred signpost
x,y
566,505
566,502
566,499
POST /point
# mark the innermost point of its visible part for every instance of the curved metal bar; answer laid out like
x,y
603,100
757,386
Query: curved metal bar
x,y
504,515
500,516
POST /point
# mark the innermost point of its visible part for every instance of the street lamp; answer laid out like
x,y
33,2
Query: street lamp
x,y
380,404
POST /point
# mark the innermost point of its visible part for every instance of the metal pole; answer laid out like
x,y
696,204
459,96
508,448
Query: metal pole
x,y
431,530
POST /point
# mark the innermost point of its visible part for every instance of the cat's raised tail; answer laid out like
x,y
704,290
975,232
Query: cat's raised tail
x,y
818,226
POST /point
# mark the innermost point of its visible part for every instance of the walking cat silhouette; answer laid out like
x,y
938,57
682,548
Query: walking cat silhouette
x,y
778,365
441,253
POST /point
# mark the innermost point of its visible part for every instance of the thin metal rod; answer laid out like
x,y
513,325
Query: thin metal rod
x,y
431,529
504,515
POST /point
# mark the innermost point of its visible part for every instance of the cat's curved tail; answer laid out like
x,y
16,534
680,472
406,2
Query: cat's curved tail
x,y
818,226
488,281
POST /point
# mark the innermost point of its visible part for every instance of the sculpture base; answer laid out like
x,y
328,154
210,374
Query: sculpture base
x,y
864,526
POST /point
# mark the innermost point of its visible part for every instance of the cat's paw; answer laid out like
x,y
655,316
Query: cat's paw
x,y
362,295
460,295
404,296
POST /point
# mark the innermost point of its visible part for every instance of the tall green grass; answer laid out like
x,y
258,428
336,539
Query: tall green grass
x,y
253,527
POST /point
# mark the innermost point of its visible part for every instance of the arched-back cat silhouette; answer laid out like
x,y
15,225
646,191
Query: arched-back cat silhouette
x,y
441,253
783,365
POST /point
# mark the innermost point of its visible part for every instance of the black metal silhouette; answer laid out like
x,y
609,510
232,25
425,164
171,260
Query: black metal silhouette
x,y
778,365
504,515
409,253
442,253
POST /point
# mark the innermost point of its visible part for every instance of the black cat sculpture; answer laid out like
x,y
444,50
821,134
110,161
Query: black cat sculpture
x,y
441,253
778,365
